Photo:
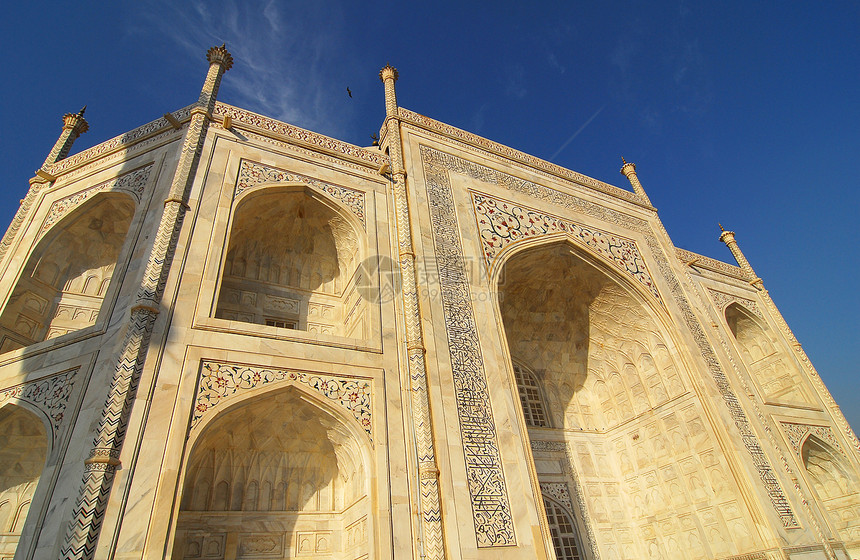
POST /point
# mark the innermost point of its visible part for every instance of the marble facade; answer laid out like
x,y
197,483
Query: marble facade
x,y
223,337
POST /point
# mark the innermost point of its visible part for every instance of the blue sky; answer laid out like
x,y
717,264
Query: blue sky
x,y
743,113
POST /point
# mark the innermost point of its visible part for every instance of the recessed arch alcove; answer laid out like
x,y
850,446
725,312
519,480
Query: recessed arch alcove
x,y
602,353
772,370
598,353
292,262
64,282
280,474
24,449
830,476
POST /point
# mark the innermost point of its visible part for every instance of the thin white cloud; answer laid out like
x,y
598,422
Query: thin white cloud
x,y
286,56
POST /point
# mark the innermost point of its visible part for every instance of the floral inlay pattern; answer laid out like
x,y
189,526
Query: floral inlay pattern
x,y
252,174
503,223
48,394
220,382
796,433
133,183
723,300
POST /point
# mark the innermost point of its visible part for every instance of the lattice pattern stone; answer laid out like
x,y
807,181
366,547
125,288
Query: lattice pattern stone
x,y
559,492
220,382
504,223
252,174
48,394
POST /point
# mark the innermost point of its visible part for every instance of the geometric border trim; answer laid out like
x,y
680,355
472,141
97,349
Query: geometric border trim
x,y
219,382
434,158
49,394
491,510
503,223
252,174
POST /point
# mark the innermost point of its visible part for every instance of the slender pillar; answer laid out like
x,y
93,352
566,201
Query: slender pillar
x,y
74,124
629,171
100,468
432,545
728,237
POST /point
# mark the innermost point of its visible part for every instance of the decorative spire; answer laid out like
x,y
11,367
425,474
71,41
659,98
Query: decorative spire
x,y
629,171
220,55
728,237
388,71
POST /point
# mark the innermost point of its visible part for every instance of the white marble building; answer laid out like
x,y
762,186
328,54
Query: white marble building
x,y
223,337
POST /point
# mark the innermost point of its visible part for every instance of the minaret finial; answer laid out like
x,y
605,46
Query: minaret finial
x,y
721,226
82,111
624,160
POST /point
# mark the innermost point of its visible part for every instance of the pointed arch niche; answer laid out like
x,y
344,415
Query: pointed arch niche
x,y
831,477
772,370
65,280
23,453
292,262
278,475
616,400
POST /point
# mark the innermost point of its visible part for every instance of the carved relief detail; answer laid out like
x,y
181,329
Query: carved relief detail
x,y
723,300
133,183
49,394
490,507
796,433
503,223
559,492
252,174
219,382
371,157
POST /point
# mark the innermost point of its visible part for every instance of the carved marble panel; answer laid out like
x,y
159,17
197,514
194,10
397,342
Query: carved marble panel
x,y
723,300
220,382
796,433
132,183
49,394
252,174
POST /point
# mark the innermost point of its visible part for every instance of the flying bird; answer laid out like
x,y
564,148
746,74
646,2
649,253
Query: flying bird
x,y
348,91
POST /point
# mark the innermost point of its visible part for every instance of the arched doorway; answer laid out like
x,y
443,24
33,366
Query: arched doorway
x,y
616,401
830,476
23,452
275,476
67,276
293,262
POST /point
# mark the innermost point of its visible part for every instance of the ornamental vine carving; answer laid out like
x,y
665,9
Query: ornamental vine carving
x,y
558,491
220,382
502,223
49,394
252,174
133,183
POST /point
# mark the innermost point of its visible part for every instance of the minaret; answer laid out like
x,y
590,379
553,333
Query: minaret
x,y
432,545
74,124
100,468
629,171
728,237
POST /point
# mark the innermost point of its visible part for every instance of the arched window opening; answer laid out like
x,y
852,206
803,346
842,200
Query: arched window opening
x,y
530,396
23,452
277,470
771,368
65,279
293,263
563,531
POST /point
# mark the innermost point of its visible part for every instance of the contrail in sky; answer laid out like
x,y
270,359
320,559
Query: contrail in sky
x,y
575,134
